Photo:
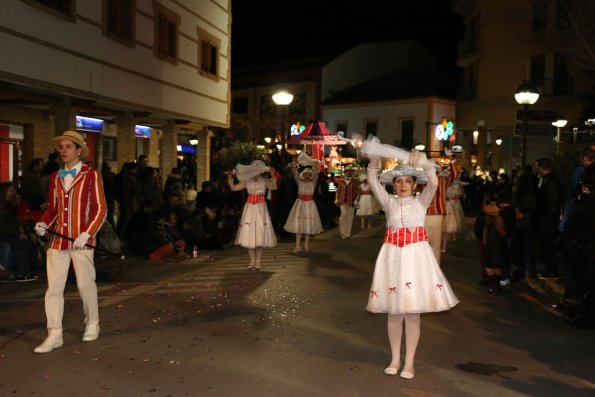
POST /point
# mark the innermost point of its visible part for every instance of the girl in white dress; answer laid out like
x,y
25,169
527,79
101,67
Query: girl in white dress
x,y
454,221
304,218
255,231
367,205
407,279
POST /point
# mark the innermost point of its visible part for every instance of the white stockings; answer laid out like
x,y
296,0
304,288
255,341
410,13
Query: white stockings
x,y
412,333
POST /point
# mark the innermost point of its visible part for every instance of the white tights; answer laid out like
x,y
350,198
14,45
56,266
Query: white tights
x,y
255,256
412,333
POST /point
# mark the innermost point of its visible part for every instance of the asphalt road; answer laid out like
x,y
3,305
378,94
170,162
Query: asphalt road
x,y
210,327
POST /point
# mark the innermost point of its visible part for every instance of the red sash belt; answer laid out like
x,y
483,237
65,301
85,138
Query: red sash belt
x,y
256,198
306,197
405,235
365,193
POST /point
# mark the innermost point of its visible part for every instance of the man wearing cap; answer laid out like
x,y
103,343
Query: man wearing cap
x,y
76,209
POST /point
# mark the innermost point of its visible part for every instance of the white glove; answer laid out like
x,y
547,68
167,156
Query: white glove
x,y
336,202
81,241
40,228
355,203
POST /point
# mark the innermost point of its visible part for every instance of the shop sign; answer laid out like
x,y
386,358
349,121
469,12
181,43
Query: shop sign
x,y
141,131
186,149
297,129
445,131
89,124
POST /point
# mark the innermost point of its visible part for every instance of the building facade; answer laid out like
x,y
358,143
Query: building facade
x,y
133,76
507,43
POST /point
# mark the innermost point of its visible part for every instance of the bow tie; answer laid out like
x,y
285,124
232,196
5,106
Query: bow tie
x,y
63,173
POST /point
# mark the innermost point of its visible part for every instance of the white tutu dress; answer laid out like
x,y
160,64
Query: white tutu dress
x,y
367,203
407,279
255,228
304,217
454,221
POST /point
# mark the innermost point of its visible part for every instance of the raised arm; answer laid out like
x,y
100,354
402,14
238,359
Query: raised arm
x,y
234,187
376,187
271,184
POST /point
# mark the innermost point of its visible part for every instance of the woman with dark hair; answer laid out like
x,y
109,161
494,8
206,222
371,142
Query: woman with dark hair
x,y
13,233
407,279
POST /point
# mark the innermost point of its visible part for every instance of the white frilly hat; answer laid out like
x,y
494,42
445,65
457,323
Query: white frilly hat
x,y
402,170
256,167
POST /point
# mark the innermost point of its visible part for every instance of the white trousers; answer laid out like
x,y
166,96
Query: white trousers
x,y
58,263
434,230
346,220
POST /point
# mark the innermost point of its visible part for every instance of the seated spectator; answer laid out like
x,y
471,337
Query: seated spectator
x,y
135,238
171,243
12,232
195,233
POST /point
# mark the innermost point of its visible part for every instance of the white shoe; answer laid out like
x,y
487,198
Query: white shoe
x,y
53,341
91,333
505,282
391,371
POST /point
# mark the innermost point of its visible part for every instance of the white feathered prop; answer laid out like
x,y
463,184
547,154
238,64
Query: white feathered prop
x,y
373,149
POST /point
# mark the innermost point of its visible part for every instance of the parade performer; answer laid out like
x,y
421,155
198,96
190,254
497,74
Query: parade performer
x,y
407,279
367,205
454,221
437,208
346,199
304,218
76,209
255,231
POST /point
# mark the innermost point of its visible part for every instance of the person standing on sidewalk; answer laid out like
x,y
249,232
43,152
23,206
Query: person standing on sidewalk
x,y
407,279
77,209
304,218
549,211
255,231
346,199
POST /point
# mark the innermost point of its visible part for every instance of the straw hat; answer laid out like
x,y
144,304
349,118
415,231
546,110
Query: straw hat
x,y
403,170
256,167
74,137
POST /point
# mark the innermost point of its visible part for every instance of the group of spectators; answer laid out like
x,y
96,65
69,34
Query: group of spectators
x,y
532,226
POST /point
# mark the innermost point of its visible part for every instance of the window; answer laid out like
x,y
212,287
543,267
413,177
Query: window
x,y
208,54
539,15
110,148
407,134
167,30
62,8
267,106
561,75
538,70
564,13
119,20
298,105
341,126
371,127
239,105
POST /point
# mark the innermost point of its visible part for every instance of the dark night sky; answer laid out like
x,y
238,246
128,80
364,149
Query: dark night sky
x,y
267,32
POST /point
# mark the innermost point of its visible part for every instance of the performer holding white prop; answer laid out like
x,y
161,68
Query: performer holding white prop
x,y
304,218
407,279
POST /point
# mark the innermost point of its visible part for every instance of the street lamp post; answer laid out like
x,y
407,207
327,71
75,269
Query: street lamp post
x,y
525,95
559,124
283,99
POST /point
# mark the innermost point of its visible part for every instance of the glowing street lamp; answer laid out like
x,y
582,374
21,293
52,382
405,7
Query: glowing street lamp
x,y
526,94
283,99
559,124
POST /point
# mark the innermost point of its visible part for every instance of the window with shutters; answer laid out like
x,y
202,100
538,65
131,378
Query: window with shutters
x,y
62,8
166,32
208,54
119,20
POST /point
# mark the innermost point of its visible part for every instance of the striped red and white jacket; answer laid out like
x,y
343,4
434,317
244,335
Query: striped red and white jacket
x,y
438,204
347,193
79,209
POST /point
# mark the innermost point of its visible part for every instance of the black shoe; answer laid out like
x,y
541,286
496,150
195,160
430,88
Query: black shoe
x,y
25,278
547,275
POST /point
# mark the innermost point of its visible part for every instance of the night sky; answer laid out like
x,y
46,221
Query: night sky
x,y
266,32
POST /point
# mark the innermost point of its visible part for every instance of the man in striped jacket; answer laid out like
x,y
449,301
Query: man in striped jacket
x,y
76,209
346,199
437,209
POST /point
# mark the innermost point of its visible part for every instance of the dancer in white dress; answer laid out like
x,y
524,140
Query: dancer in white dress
x,y
454,221
304,218
367,205
255,231
407,279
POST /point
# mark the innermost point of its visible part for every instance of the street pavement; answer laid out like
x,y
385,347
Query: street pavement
x,y
207,326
